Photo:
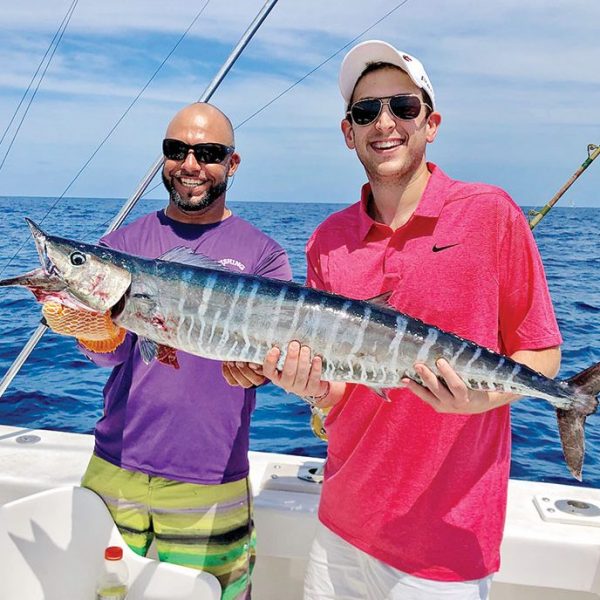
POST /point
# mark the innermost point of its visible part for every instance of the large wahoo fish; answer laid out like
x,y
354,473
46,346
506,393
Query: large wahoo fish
x,y
188,302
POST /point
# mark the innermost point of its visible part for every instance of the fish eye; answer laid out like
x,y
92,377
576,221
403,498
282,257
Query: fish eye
x,y
77,259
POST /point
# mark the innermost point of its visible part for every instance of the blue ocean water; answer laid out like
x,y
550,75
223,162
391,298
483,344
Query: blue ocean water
x,y
59,389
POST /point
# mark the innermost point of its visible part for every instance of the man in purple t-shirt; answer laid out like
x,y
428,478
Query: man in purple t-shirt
x,y
171,451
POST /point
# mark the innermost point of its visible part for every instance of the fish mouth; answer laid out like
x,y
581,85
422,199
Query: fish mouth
x,y
44,279
44,287
38,278
40,237
99,286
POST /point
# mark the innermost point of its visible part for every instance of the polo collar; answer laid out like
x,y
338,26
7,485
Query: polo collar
x,y
365,222
430,205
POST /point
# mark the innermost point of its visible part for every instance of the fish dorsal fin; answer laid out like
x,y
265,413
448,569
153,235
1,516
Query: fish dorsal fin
x,y
381,300
186,256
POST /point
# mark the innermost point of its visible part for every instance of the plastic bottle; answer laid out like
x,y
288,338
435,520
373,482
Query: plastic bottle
x,y
113,583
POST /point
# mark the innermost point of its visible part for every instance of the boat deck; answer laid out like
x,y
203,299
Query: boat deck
x,y
555,556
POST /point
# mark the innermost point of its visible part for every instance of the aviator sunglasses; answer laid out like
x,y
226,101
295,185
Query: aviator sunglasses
x,y
403,106
209,153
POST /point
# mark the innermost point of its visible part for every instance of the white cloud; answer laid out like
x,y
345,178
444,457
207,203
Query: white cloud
x,y
517,83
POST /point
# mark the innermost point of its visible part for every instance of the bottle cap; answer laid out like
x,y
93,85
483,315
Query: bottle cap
x,y
113,553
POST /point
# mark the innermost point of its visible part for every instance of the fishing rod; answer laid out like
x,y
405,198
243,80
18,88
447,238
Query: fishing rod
x,y
538,215
137,194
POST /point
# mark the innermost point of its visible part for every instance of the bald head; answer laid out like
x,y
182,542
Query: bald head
x,y
202,122
195,174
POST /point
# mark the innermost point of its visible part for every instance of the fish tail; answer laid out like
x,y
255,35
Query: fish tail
x,y
571,427
571,423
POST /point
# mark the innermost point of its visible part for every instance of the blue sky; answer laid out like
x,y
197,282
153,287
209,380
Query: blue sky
x,y
517,83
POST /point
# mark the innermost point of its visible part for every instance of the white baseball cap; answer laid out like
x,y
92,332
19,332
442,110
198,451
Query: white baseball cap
x,y
373,51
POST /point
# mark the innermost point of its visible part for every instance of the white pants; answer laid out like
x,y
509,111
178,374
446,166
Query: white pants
x,y
339,571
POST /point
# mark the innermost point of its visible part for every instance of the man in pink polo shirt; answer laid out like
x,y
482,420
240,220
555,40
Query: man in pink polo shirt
x,y
414,496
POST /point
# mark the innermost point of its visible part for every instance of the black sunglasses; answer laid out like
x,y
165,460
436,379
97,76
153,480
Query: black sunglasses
x,y
403,106
209,153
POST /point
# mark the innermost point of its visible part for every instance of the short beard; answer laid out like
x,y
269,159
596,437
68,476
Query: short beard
x,y
212,194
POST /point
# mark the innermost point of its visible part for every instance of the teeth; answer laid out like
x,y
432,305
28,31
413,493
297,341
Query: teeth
x,y
191,182
385,145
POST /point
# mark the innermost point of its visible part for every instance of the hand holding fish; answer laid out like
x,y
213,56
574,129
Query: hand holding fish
x,y
451,395
448,393
301,375
243,374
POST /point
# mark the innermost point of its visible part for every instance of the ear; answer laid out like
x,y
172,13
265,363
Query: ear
x,y
234,162
433,123
348,133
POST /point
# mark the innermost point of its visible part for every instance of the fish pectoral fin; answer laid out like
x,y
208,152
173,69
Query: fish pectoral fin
x,y
186,256
148,350
381,300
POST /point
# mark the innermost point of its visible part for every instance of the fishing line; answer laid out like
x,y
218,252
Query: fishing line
x,y
400,5
37,70
65,21
89,160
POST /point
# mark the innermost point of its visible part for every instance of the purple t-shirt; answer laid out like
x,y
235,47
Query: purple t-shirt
x,y
186,424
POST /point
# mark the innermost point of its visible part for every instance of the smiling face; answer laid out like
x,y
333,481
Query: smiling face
x,y
197,190
390,149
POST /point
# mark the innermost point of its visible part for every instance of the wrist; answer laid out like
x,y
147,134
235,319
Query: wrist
x,y
312,400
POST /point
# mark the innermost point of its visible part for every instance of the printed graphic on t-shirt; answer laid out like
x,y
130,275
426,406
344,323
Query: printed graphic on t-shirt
x,y
232,261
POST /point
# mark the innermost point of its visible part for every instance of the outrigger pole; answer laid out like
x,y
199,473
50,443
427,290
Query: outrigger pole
x,y
538,215
132,201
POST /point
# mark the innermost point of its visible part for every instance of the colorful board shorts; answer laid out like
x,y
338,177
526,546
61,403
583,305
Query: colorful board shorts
x,y
206,527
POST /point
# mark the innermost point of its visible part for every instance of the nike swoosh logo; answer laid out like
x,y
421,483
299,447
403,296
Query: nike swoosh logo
x,y
440,248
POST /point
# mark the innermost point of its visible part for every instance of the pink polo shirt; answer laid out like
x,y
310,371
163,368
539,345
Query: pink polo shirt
x,y
422,491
